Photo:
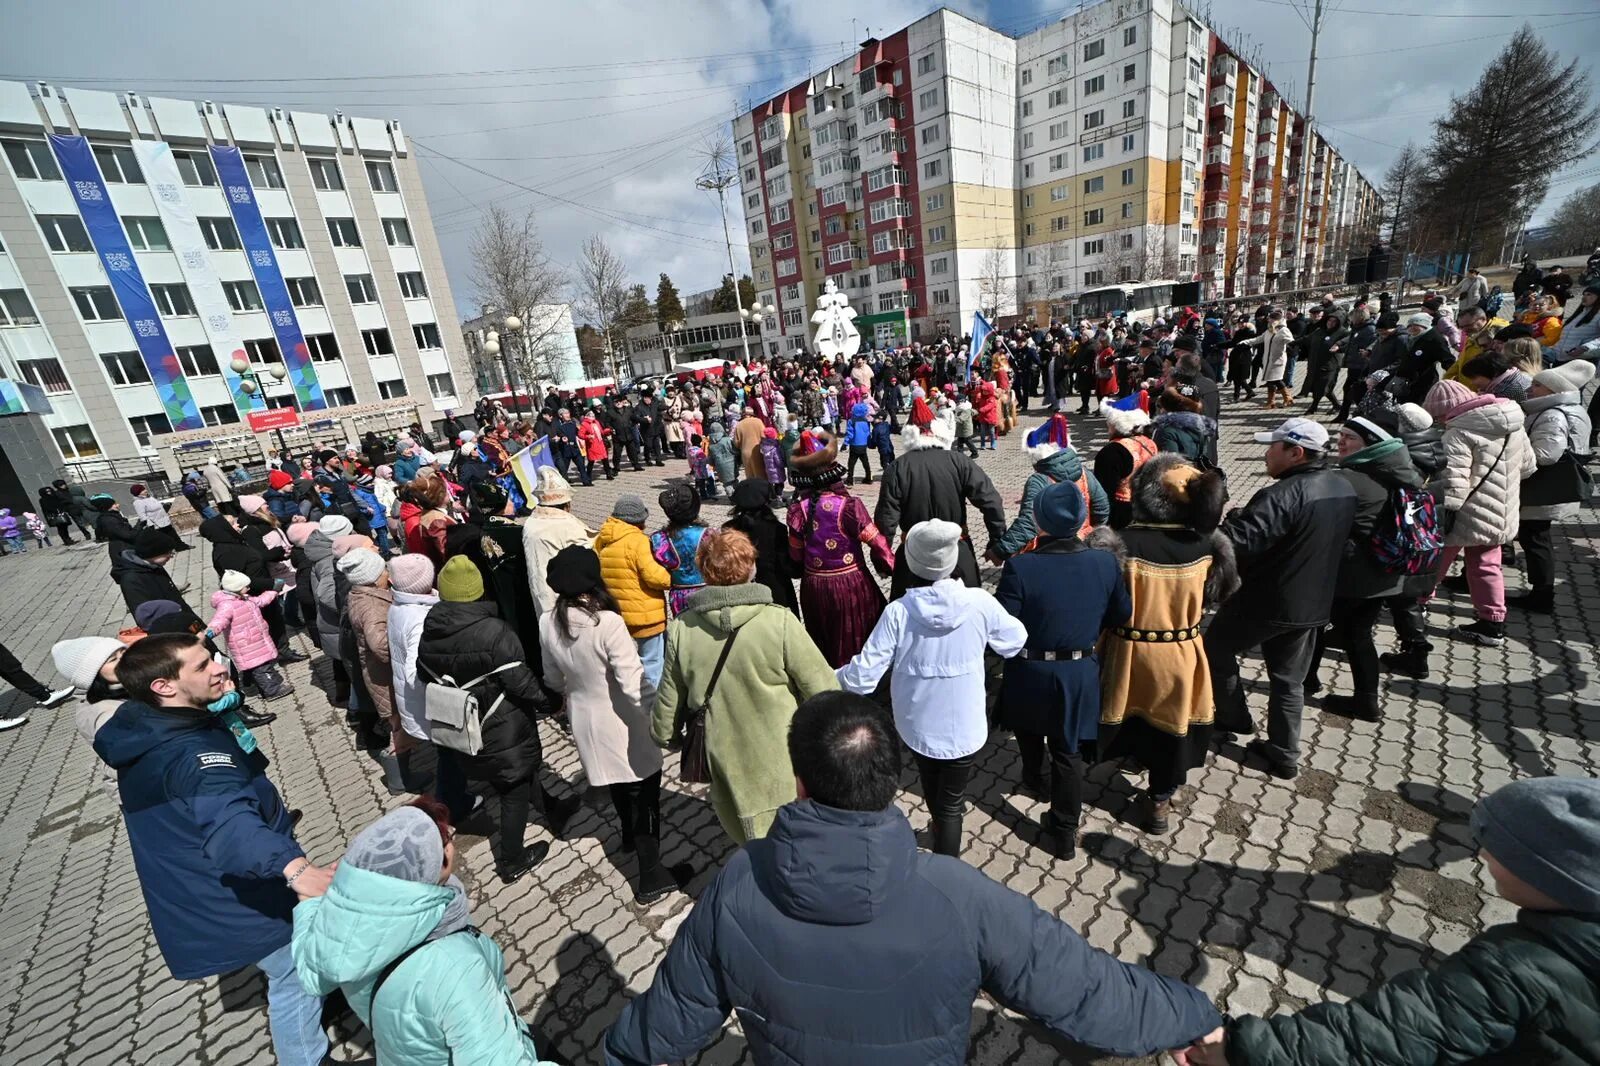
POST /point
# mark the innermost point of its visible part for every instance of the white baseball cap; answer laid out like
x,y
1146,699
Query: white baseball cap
x,y
1304,432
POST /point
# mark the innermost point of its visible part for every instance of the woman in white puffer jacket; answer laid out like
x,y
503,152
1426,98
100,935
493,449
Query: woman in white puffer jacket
x,y
1556,424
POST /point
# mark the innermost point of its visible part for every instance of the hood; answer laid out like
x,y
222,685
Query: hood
x,y
218,530
318,547
425,598
940,606
832,867
724,608
1495,419
715,431
1388,462
613,530
858,411
363,923
1189,420
1529,407
1063,465
130,560
136,730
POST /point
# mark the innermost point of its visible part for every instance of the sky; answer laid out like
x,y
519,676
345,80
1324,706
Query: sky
x,y
596,115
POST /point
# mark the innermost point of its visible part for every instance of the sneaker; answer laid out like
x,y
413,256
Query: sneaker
x,y
12,723
533,857
60,695
1483,632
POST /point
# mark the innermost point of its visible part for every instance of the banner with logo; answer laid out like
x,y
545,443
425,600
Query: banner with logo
x,y
526,463
110,241
269,277
194,260
980,333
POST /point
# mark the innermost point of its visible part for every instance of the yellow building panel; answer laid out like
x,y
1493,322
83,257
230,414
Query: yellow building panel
x,y
1040,205
984,216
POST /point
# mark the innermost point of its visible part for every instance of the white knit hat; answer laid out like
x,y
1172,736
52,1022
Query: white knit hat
x,y
1568,377
933,548
80,659
335,525
553,488
361,567
1421,318
234,581
1414,418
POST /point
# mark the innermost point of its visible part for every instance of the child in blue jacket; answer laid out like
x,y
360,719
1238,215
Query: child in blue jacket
x,y
882,438
857,432
377,515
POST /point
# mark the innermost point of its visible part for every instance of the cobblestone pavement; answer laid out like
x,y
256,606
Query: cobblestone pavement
x,y
1268,895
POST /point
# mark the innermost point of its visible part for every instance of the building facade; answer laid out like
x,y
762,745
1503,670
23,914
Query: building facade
x,y
159,258
703,334
548,336
950,168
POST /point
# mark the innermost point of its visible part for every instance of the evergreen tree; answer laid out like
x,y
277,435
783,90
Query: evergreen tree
x,y
668,307
726,301
747,291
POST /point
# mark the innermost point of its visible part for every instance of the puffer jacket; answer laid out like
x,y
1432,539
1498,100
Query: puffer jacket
x,y
1555,425
1524,992
772,669
1426,449
324,593
465,641
1185,432
1375,472
1064,465
143,581
239,619
231,551
447,1003
368,609
836,941
406,617
1487,455
633,577
1288,540
117,533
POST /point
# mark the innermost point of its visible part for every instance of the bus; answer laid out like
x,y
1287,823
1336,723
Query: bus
x,y
1142,299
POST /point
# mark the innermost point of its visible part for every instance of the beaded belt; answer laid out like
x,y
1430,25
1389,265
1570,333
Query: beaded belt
x,y
1158,636
1054,655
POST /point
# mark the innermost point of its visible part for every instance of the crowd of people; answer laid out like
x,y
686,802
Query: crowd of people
x,y
793,652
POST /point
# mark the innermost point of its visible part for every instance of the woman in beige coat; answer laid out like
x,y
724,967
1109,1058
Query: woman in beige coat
x,y
591,659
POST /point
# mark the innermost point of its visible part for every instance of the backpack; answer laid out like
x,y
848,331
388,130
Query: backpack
x,y
1407,537
452,711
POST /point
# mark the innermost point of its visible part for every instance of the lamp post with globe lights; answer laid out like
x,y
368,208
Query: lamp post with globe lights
x,y
493,347
249,386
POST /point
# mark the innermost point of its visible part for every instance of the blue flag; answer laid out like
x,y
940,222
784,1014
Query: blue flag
x,y
980,334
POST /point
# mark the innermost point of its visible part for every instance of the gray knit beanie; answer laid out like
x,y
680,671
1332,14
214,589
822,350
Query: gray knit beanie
x,y
1546,831
631,509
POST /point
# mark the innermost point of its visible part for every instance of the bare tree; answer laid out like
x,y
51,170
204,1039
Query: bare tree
x,y
601,292
997,283
512,274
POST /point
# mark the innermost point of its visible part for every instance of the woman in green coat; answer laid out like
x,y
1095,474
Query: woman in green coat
x,y
394,935
772,667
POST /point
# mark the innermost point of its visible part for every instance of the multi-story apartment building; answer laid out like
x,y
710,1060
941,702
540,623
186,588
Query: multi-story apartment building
x,y
160,258
949,167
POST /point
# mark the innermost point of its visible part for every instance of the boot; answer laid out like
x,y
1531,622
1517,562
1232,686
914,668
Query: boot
x,y
1482,632
1157,813
272,684
1058,838
656,882
558,812
1363,706
946,835
1540,600
1410,661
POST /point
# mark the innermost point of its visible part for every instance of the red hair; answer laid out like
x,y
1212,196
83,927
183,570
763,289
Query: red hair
x,y
439,813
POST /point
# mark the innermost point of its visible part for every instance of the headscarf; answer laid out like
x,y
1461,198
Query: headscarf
x,y
404,844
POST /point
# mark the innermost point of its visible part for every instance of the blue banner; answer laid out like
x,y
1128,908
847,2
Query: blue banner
x,y
269,278
133,295
980,333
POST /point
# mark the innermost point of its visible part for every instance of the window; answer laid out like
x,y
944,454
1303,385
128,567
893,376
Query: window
x,y
1091,152
791,265
1027,75
1130,71
932,168
1124,273
1095,217
377,341
1127,142
147,426
124,368
303,292
1027,170
195,168
15,310
753,200
1058,224
1027,140
1057,97
426,335
325,173
198,360
929,99
442,386
1058,162
174,300
940,265
1130,36
412,285
361,288
1125,241
264,350
117,164
925,64
221,234
242,295
96,304
1186,203
791,292
1094,185
1094,277
31,159
757,225
1059,130
931,135
1027,108
344,232
264,172
1094,119
397,232
1058,193
783,242
64,233
380,175
1058,65
1127,175
1094,247
1130,108
220,414
939,296
343,396
937,234
147,234
1094,85
47,374
1027,229
1094,49
392,390
284,233
76,442
323,348
1127,209
781,213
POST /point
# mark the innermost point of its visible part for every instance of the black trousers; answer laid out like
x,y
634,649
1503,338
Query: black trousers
x,y
63,527
1536,540
944,787
1409,624
1066,774
858,454
638,805
1352,624
18,678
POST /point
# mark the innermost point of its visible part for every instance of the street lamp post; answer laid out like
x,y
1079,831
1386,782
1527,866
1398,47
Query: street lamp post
x,y
755,313
492,347
250,387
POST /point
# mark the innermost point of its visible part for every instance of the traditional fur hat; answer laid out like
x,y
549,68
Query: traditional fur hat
x,y
1168,488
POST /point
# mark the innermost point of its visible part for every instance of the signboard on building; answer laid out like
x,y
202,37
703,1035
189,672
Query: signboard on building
x,y
277,418
888,328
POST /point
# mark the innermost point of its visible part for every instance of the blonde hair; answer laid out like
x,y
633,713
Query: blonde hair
x,y
1524,353
428,489
725,557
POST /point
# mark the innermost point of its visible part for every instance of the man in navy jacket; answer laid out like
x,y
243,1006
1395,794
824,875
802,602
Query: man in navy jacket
x,y
836,941
212,841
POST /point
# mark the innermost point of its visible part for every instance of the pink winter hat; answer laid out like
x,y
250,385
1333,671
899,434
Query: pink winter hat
x,y
351,542
1445,396
299,532
252,504
411,573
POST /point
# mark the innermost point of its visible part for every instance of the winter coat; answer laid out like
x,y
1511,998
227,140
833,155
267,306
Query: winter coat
x,y
747,436
117,532
464,641
377,514
151,512
239,619
210,837
406,467
1064,465
774,567
368,609
934,639
633,577
217,483
931,481
1487,455
963,421
1555,425
1426,450
859,428
1288,541
89,717
772,669
282,505
407,614
1185,432
324,594
1275,348
143,581
1375,472
720,449
592,438
273,544
1424,361
231,551
608,698
1524,992
544,534
836,941
449,1001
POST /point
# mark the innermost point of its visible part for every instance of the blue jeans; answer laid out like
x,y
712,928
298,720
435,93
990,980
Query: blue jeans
x,y
653,657
293,1015
381,535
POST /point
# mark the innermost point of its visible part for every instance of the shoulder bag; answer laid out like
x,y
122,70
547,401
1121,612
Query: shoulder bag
x,y
1563,481
695,767
452,710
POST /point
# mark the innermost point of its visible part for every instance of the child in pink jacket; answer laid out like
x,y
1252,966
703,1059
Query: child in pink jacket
x,y
238,615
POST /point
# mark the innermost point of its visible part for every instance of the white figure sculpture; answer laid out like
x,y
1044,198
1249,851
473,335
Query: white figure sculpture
x,y
836,336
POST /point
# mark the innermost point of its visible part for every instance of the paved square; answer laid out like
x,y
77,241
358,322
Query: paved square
x,y
1269,895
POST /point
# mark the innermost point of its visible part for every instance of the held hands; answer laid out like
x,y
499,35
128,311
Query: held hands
x,y
1209,1050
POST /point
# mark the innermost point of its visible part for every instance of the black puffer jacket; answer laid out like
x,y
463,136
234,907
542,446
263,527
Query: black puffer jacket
x,y
1288,541
230,551
143,581
466,641
117,532
931,481
1375,472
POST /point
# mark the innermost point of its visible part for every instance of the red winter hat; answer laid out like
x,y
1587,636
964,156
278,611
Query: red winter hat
x,y
278,479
